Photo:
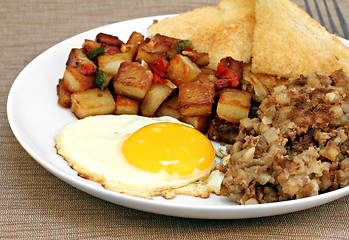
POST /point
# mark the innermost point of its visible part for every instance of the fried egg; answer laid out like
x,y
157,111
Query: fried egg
x,y
140,156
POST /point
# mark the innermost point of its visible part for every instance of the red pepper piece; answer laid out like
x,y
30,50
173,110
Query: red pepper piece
x,y
113,50
156,70
88,69
226,77
158,79
88,48
221,83
162,64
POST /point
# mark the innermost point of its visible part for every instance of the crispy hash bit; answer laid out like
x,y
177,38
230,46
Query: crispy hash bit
x,y
297,146
288,137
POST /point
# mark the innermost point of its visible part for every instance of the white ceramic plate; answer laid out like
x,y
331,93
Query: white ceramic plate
x,y
36,118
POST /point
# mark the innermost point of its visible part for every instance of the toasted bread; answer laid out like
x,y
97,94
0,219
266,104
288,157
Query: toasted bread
x,y
288,43
225,30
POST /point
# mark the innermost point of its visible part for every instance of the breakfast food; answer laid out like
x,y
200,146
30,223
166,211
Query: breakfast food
x,y
260,75
225,30
297,147
157,76
169,155
277,37
287,42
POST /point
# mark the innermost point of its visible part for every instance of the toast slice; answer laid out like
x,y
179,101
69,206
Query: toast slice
x,y
287,42
221,31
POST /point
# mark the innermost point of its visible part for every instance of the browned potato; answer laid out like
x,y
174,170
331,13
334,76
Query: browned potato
x,y
133,80
111,63
92,102
77,57
63,95
132,44
89,44
169,107
75,81
110,40
233,105
125,105
196,98
199,58
182,69
150,50
168,41
157,93
200,123
206,77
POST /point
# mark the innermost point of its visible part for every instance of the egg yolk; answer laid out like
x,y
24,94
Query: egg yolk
x,y
173,147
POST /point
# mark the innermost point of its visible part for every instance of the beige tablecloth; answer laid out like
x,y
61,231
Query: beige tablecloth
x,y
36,205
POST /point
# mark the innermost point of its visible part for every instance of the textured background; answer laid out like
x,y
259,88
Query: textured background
x,y
36,205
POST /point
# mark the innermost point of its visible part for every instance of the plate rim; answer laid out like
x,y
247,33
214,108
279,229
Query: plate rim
x,y
161,207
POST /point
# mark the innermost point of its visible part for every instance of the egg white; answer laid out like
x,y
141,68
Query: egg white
x,y
92,146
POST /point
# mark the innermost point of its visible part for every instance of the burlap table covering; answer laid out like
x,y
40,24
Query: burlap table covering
x,y
37,205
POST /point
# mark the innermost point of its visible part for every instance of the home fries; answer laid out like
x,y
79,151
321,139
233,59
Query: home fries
x,y
259,76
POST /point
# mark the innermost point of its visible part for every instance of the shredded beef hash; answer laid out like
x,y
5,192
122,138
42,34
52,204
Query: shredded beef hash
x,y
298,145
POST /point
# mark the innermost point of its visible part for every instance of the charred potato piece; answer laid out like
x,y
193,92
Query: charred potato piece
x,y
199,58
110,40
150,50
111,63
182,69
92,102
200,123
63,95
157,93
233,105
168,41
133,80
169,107
77,57
196,98
75,81
125,105
222,131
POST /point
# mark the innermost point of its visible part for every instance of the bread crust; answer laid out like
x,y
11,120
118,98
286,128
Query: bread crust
x,y
288,43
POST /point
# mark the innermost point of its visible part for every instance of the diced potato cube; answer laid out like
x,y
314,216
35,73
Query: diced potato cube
x,y
92,102
125,105
168,41
169,107
76,81
199,58
110,40
132,44
63,95
233,105
200,123
149,51
89,44
196,98
182,69
111,63
133,80
206,77
157,93
77,57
